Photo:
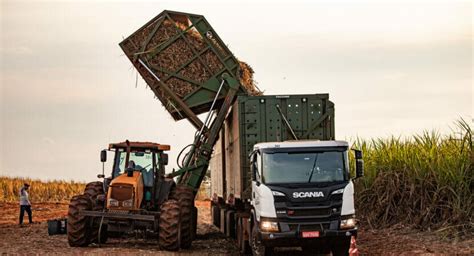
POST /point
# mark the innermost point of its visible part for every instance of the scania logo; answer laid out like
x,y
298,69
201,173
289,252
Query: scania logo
x,y
308,194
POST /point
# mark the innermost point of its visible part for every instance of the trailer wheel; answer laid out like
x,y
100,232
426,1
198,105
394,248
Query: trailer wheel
x,y
216,215
185,197
168,235
258,249
78,232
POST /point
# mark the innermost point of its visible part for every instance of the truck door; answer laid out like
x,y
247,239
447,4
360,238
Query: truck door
x,y
262,197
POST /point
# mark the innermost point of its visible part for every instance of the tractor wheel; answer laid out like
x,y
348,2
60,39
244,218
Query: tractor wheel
x,y
78,232
168,235
194,223
185,197
93,190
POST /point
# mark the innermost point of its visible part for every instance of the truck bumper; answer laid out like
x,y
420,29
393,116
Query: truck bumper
x,y
295,238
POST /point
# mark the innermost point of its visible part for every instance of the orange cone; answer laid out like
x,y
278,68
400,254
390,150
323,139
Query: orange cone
x,y
353,251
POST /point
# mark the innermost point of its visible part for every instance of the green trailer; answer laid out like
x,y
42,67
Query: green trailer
x,y
255,119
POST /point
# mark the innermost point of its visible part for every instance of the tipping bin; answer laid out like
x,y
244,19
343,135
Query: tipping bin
x,y
185,53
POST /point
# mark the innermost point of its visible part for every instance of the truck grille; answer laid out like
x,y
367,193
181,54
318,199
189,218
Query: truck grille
x,y
309,227
311,212
121,192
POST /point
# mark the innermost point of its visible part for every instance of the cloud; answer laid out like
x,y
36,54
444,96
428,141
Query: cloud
x,y
16,51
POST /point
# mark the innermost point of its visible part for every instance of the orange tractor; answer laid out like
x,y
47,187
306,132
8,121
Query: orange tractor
x,y
137,195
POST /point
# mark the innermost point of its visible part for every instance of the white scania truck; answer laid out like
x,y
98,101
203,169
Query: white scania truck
x,y
278,177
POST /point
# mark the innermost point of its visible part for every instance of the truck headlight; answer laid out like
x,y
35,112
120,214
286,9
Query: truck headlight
x,y
339,191
277,193
269,226
127,203
348,223
113,202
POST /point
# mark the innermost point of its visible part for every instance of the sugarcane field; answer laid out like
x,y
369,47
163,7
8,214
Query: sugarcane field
x,y
211,128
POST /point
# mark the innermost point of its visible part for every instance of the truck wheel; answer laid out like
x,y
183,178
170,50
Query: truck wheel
x,y
185,196
216,215
243,245
230,224
78,232
341,248
168,235
258,249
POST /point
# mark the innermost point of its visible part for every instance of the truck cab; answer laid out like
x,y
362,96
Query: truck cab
x,y
303,195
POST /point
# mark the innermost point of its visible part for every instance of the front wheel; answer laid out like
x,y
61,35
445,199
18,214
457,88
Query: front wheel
x,y
78,226
341,248
258,248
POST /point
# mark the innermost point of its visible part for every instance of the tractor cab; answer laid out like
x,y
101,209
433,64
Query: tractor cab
x,y
138,176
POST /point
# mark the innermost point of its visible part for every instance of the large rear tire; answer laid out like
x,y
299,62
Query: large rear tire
x,y
78,232
185,196
168,235
194,223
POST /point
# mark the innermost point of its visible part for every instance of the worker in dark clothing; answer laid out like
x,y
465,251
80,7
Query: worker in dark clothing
x,y
25,204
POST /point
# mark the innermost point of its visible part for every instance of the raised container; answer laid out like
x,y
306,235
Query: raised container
x,y
255,119
182,59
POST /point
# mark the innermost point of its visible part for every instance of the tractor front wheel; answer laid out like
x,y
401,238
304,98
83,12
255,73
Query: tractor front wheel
x,y
93,190
78,232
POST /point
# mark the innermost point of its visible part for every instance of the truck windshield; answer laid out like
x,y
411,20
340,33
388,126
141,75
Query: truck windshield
x,y
303,167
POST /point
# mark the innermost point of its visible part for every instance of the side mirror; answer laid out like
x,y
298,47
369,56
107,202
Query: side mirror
x,y
164,159
103,156
359,164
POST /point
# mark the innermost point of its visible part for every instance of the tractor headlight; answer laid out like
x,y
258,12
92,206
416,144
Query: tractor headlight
x,y
113,202
348,223
128,203
269,226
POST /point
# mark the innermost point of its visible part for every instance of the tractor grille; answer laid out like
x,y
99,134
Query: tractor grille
x,y
122,192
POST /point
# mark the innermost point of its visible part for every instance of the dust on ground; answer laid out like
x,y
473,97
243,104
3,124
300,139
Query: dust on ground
x,y
34,239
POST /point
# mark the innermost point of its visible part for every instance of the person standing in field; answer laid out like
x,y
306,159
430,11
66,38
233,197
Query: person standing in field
x,y
25,204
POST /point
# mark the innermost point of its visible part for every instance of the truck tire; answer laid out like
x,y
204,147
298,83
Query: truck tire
x,y
230,224
216,215
341,248
78,232
168,235
258,249
93,190
243,245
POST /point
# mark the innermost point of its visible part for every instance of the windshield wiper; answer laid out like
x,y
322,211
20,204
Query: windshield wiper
x,y
312,169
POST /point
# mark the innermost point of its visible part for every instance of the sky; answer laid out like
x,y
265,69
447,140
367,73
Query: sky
x,y
391,68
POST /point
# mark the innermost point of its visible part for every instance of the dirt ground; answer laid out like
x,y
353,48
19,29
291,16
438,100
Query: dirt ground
x,y
34,239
